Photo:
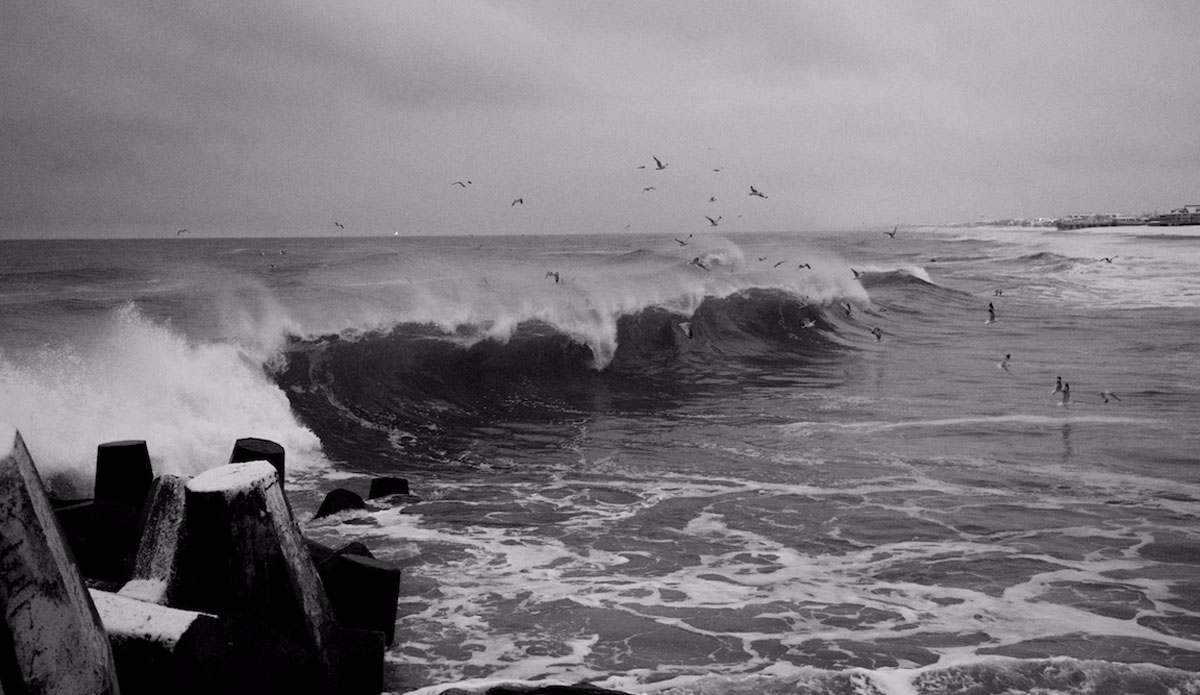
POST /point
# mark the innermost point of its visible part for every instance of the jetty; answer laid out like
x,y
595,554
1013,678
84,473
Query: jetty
x,y
183,585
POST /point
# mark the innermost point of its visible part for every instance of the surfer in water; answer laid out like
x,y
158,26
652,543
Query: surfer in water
x,y
991,314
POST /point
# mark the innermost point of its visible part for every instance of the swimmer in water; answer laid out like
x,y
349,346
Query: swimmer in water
x,y
1066,395
991,313
878,333
1003,364
1057,386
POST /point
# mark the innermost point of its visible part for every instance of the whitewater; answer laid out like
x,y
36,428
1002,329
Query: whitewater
x,y
680,468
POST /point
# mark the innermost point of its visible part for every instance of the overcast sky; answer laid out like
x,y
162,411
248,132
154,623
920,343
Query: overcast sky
x,y
235,118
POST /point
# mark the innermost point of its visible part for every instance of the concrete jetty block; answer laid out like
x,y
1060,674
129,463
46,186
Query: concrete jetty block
x,y
249,449
387,485
123,472
51,637
155,566
159,649
245,555
364,591
339,500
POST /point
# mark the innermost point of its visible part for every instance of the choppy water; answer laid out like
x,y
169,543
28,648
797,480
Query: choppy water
x,y
779,503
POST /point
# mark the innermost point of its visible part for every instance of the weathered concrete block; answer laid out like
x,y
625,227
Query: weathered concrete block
x,y
249,449
152,577
245,555
364,591
161,650
51,638
339,500
123,472
386,485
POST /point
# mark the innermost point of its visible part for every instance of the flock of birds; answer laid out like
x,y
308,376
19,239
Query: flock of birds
x,y
1061,388
659,165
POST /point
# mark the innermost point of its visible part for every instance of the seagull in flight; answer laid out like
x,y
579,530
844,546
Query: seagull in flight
x,y
803,265
857,274
696,261
1108,259
684,241
892,233
182,231
518,200
711,221
339,225
755,191
648,189
778,264
712,199
658,166
552,274
461,184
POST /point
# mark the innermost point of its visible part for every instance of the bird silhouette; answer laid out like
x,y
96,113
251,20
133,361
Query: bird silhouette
x,y
684,241
755,191
711,221
518,200
892,233
460,183
182,231
658,166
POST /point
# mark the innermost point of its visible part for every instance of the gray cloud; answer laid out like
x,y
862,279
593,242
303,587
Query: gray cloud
x,y
127,115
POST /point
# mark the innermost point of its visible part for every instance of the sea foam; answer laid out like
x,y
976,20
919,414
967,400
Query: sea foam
x,y
138,379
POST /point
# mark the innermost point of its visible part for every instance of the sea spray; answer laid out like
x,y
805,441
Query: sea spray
x,y
139,379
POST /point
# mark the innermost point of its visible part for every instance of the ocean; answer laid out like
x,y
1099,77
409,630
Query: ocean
x,y
680,466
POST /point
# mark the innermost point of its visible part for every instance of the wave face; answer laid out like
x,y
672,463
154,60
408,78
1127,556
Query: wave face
x,y
417,383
